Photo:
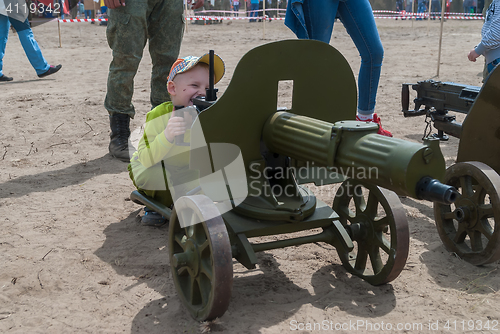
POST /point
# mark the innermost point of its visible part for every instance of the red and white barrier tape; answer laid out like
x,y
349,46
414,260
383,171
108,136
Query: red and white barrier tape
x,y
220,18
84,20
438,14
406,16
435,13
196,18
415,17
232,11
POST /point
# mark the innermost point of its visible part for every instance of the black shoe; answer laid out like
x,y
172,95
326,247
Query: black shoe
x,y
52,69
6,78
152,218
120,132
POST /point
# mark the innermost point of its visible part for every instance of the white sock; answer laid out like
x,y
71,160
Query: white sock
x,y
365,117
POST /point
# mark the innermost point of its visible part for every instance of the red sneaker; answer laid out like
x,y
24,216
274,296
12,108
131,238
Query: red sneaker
x,y
376,119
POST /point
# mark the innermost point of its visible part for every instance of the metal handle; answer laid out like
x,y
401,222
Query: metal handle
x,y
179,139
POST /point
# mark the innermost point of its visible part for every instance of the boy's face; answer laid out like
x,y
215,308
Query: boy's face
x,y
189,85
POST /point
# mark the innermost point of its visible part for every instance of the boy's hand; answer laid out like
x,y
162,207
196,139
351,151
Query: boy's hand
x,y
175,126
473,55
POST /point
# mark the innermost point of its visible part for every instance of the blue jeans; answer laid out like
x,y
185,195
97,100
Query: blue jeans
x,y
27,40
421,9
492,65
88,14
253,7
61,10
314,19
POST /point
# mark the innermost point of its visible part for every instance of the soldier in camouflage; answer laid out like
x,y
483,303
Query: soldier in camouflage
x,y
130,26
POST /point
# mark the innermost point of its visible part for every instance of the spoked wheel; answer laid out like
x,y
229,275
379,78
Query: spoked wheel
x,y
470,226
200,257
376,221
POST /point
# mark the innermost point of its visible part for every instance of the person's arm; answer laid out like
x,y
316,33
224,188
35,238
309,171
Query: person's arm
x,y
154,145
473,55
158,139
491,37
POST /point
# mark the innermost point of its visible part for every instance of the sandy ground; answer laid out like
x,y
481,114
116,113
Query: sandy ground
x,y
75,259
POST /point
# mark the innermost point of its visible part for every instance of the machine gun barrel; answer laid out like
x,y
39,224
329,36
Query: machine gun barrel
x,y
354,149
432,190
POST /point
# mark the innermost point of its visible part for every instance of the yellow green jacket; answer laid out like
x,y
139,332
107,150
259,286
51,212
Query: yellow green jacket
x,y
154,146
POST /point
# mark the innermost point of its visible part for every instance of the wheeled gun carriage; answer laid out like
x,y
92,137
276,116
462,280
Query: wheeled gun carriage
x,y
470,226
279,150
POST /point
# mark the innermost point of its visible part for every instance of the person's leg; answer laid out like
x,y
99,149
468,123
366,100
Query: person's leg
x,y
360,24
73,11
62,9
357,17
4,35
165,28
319,26
255,7
152,183
30,46
127,34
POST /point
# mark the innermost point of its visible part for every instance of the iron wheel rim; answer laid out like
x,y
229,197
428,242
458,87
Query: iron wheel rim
x,y
200,257
369,230
469,227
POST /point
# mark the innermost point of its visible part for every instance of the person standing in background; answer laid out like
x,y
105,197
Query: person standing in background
x,y
131,24
73,8
468,6
254,7
489,46
314,19
409,6
236,7
29,44
399,5
436,6
422,9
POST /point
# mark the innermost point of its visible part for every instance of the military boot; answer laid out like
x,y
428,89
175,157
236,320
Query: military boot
x,y
120,133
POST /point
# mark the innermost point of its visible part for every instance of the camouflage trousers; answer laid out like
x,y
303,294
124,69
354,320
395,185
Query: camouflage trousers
x,y
159,22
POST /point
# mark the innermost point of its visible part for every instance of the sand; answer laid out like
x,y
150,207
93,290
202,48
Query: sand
x,y
74,257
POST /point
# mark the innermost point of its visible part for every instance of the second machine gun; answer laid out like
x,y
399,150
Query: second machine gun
x,y
470,227
435,99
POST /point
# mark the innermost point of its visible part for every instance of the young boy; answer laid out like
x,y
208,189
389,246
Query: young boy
x,y
157,158
489,46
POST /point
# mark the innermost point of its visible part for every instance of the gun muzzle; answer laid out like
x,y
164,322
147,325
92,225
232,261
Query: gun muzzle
x,y
432,190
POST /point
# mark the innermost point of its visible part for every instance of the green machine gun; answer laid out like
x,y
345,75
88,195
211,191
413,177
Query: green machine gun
x,y
316,140
470,227
436,99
